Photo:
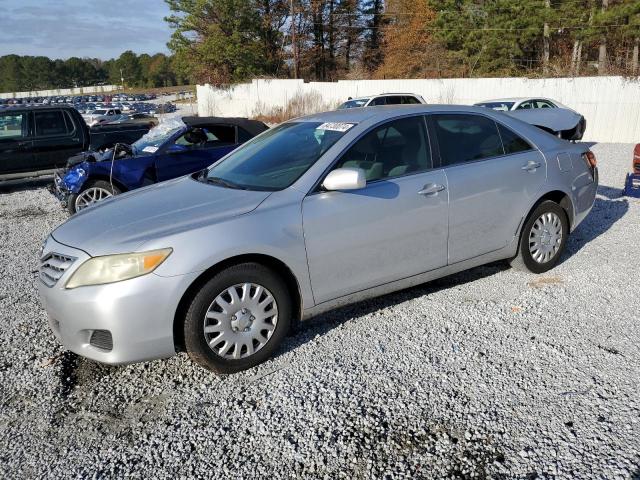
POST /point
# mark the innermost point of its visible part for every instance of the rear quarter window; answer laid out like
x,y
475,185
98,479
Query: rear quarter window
x,y
512,142
220,134
466,138
243,135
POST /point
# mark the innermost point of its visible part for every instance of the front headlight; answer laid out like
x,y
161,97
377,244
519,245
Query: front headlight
x,y
115,268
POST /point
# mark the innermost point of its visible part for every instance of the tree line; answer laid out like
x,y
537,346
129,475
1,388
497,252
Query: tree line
x,y
27,73
226,41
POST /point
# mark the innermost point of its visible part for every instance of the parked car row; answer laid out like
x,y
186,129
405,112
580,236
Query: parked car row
x,y
315,213
127,107
73,99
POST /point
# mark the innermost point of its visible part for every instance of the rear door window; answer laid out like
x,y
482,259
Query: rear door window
x,y
394,100
12,125
50,123
408,100
466,138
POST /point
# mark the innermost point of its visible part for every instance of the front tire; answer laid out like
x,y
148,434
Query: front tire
x,y
543,238
237,319
92,193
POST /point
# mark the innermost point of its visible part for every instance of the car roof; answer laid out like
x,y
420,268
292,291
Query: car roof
x,y
254,127
517,99
365,97
512,99
359,115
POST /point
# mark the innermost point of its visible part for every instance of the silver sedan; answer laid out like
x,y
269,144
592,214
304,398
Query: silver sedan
x,y
315,213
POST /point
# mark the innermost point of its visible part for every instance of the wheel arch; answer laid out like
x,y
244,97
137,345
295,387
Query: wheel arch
x,y
557,196
105,178
562,199
268,261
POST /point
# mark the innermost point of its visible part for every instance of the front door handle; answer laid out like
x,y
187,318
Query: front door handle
x,y
531,166
431,189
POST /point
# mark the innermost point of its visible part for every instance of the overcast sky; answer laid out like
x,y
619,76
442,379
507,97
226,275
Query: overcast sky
x,y
83,28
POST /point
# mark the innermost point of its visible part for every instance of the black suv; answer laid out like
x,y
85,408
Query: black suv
x,y
36,140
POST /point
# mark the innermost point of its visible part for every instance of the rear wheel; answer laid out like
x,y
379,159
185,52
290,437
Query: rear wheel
x,y
237,319
543,238
93,193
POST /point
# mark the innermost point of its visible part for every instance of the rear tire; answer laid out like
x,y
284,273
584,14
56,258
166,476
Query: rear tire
x,y
81,200
238,318
543,238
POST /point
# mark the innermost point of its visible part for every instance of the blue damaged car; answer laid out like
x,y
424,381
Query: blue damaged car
x,y
174,148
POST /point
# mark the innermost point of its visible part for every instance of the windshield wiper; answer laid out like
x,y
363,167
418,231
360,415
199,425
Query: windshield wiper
x,y
224,183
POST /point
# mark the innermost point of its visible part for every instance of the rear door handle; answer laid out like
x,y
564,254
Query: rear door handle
x,y
531,166
431,189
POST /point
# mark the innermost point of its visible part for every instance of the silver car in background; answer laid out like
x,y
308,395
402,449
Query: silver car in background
x,y
549,115
318,212
383,99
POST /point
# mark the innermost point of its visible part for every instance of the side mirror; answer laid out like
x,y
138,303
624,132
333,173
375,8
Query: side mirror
x,y
345,179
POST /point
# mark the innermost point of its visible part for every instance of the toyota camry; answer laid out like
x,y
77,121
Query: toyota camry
x,y
315,213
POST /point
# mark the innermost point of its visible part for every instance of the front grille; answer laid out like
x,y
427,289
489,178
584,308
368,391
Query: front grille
x,y
53,266
102,339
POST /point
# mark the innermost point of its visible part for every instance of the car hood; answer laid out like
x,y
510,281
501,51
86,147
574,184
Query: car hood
x,y
123,223
555,119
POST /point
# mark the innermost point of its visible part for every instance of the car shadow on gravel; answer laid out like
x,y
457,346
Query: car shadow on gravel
x,y
609,207
326,322
11,186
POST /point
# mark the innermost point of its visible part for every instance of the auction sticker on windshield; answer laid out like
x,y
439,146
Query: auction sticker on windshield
x,y
335,127
150,149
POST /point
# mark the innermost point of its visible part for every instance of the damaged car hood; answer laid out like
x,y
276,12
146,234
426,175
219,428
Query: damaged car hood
x,y
555,120
122,224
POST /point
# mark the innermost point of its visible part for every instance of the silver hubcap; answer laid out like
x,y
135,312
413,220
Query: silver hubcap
x,y
90,196
545,237
240,321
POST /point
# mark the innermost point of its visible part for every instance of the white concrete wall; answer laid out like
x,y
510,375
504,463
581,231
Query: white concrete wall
x,y
611,105
62,92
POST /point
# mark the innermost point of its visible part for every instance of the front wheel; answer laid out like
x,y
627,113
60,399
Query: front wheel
x,y
543,238
93,193
238,318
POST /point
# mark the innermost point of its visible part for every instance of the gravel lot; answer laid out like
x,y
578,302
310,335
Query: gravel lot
x,y
488,373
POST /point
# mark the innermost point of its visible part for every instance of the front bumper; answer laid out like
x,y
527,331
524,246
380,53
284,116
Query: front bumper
x,y
58,188
137,313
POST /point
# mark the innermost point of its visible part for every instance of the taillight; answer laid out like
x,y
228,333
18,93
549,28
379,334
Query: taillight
x,y
636,159
590,159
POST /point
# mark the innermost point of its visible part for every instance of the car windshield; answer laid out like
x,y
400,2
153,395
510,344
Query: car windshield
x,y
359,102
151,141
500,106
99,112
278,157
